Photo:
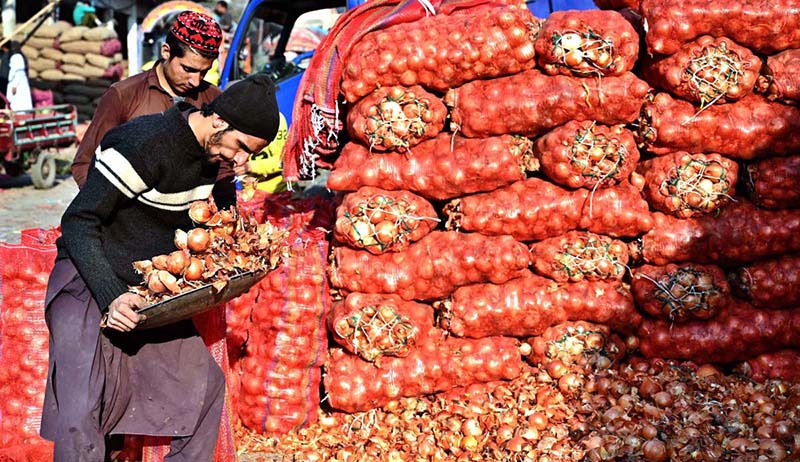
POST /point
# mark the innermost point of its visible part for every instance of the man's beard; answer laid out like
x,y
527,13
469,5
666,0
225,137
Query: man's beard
x,y
215,140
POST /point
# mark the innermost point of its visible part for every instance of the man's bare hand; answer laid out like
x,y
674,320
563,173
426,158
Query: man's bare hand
x,y
122,314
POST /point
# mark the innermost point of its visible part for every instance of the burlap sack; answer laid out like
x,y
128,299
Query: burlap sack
x,y
84,71
76,99
72,35
84,89
103,82
52,30
51,53
30,52
58,97
33,73
74,58
42,64
99,60
40,43
98,34
69,77
117,57
43,84
51,74
82,46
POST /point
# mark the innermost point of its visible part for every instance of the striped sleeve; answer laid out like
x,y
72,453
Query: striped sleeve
x,y
118,170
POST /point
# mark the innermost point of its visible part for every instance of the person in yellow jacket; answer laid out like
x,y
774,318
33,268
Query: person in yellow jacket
x,y
266,165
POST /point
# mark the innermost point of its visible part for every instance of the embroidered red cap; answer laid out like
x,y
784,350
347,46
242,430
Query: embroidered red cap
x,y
198,30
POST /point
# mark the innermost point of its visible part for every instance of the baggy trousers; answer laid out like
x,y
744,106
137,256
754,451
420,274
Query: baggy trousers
x,y
159,382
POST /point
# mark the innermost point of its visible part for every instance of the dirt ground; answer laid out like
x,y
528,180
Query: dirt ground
x,y
22,206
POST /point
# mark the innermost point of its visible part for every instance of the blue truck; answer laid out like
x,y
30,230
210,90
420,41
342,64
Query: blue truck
x,y
277,37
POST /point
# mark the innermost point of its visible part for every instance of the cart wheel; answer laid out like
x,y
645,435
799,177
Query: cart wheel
x,y
43,172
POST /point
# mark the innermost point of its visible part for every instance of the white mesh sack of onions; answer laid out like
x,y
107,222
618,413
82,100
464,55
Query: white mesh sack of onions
x,y
587,154
706,71
228,244
585,43
688,185
375,325
396,118
383,221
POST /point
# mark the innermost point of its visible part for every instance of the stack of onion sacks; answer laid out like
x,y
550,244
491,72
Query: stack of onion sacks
x,y
229,244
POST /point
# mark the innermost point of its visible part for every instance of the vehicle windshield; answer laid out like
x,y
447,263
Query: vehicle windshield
x,y
262,50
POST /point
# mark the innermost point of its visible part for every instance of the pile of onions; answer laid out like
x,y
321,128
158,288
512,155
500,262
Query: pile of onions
x,y
650,411
229,244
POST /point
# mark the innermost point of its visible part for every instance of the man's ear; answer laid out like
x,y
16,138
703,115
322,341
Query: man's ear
x,y
217,122
165,51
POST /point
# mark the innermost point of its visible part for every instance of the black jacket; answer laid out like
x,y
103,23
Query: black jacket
x,y
146,174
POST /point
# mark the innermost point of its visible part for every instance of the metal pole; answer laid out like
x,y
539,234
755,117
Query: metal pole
x,y
134,42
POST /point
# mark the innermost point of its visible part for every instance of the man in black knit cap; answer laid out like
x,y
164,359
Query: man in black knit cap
x,y
162,381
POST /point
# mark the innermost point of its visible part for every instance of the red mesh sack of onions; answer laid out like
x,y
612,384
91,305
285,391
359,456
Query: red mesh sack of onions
x,y
585,154
776,365
740,233
749,128
764,27
285,211
443,51
770,283
530,304
689,185
587,43
24,272
442,168
706,71
376,325
617,4
431,268
281,366
578,343
396,118
680,292
237,316
383,221
39,236
531,103
535,209
737,333
580,256
781,77
774,183
438,363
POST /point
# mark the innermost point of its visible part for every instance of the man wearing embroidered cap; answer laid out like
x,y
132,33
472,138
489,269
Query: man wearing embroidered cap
x,y
122,380
191,47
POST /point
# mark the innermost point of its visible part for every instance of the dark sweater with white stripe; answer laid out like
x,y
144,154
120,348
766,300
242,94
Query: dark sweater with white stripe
x,y
146,174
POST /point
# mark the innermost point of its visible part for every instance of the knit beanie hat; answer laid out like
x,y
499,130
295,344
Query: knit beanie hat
x,y
250,106
197,30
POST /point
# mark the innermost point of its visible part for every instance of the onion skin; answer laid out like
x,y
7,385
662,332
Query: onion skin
x,y
198,240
